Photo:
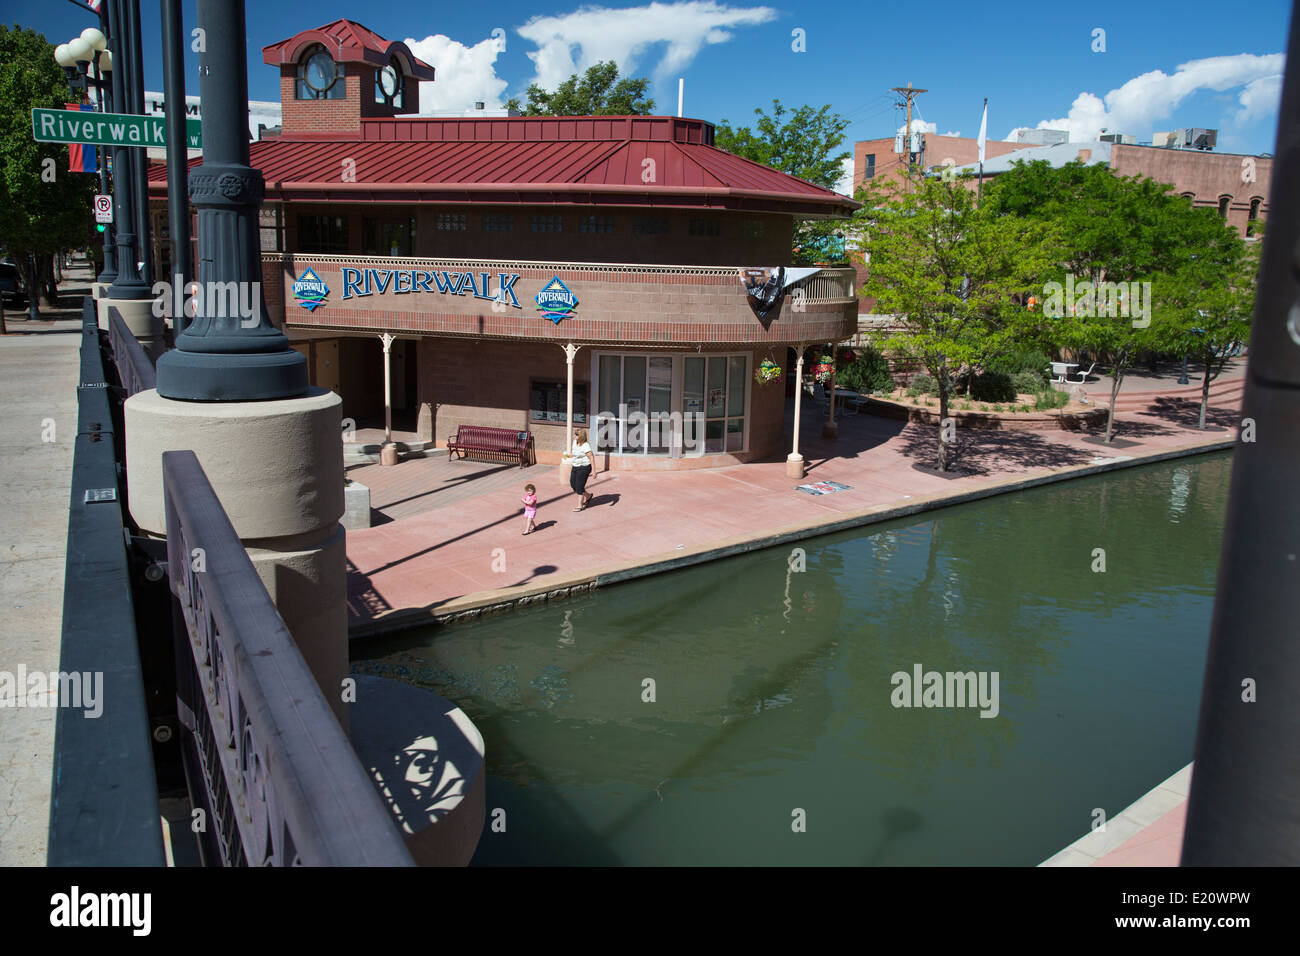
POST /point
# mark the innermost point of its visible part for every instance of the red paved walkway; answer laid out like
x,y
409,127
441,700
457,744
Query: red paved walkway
x,y
428,559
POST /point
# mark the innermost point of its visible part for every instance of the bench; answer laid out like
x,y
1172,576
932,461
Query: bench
x,y
492,441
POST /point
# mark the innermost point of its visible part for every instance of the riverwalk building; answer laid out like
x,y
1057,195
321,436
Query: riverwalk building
x,y
481,265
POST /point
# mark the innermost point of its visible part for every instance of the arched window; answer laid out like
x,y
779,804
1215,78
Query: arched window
x,y
319,77
1253,216
1223,206
390,81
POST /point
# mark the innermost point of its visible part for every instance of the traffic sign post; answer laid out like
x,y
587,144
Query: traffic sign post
x,y
110,129
103,208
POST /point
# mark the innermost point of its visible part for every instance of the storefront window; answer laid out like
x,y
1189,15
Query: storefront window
x,y
498,222
546,223
549,401
701,226
325,235
649,402
649,226
270,222
387,237
451,222
596,224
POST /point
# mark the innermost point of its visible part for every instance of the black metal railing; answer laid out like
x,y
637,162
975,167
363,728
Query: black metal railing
x,y
135,370
104,794
281,784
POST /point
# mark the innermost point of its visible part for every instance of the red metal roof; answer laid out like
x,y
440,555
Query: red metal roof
x,y
525,159
347,42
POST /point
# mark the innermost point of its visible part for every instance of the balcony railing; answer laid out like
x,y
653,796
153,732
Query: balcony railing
x,y
281,784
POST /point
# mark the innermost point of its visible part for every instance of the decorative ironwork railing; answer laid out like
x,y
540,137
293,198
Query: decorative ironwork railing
x,y
134,368
280,779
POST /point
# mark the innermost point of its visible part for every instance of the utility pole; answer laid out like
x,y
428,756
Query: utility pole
x,y
908,93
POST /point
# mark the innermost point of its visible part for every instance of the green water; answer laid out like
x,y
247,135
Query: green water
x,y
773,687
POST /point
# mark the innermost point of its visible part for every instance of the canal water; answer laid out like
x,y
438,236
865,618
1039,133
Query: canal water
x,y
775,734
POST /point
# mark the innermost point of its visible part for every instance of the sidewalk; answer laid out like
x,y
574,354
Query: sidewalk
x,y
38,389
460,560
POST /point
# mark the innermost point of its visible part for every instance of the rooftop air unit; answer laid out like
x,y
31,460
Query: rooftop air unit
x,y
1197,138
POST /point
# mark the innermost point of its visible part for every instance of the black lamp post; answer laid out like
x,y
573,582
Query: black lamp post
x,y
85,60
228,357
178,201
128,284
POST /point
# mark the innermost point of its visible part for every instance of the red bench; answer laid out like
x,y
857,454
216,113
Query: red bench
x,y
492,441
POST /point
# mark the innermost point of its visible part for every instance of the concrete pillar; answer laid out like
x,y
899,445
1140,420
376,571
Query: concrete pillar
x,y
277,467
794,461
142,318
388,451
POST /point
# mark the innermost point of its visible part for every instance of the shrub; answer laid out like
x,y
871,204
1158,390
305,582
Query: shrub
x,y
1028,383
870,373
992,387
1051,398
1013,362
922,384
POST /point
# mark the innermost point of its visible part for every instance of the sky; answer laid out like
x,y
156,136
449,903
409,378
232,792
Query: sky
x,y
1127,67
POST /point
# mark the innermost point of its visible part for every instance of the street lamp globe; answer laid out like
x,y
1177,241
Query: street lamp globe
x,y
80,49
63,56
106,61
96,39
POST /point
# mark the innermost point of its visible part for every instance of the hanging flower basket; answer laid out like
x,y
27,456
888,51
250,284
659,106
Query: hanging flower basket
x,y
767,372
847,357
821,372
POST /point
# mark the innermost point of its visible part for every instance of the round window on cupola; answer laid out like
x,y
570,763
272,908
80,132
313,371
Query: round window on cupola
x,y
319,76
388,84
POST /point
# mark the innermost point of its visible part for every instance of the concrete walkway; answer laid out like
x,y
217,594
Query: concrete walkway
x,y
38,391
458,561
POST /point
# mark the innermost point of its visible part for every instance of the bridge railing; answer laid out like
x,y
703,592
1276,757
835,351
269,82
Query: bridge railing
x,y
104,794
135,370
280,780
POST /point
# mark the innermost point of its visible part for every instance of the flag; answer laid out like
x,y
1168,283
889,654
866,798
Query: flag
x,y
81,156
984,127
93,4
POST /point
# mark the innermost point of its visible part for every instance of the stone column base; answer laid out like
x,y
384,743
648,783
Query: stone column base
x,y
794,465
830,430
388,454
137,315
277,468
426,759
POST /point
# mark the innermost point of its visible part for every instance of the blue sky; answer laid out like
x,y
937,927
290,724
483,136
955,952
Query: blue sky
x,y
1164,66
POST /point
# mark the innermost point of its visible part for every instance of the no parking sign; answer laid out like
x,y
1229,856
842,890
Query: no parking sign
x,y
103,208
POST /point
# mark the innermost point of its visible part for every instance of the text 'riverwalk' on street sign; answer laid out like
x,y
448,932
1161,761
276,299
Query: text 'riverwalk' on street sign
x,y
110,129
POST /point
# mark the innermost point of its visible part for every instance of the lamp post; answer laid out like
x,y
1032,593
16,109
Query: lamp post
x,y
224,357
129,285
85,61
178,202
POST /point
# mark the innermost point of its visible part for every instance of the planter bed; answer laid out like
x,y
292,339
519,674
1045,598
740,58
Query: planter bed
x,y
1072,417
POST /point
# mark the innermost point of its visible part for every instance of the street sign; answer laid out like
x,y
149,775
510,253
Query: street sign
x,y
103,208
110,129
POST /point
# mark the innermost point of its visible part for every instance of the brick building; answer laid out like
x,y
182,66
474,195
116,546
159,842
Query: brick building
x,y
499,250
873,158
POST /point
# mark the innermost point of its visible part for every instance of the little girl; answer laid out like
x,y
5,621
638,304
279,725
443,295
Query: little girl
x,y
530,508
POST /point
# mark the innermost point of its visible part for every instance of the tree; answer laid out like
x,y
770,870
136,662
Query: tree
x,y
1209,304
804,146
1125,238
44,208
950,269
598,92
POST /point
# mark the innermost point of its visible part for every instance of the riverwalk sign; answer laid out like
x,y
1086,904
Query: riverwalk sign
x,y
109,129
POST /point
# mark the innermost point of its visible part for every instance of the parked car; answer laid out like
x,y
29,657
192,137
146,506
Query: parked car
x,y
11,285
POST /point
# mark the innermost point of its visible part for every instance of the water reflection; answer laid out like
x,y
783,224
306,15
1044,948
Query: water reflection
x,y
773,686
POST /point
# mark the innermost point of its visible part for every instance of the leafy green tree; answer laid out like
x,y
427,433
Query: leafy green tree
x,y
1209,305
1125,239
598,92
804,144
44,208
950,270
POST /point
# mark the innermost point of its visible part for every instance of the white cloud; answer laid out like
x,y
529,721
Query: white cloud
x,y
921,125
1137,106
464,75
571,42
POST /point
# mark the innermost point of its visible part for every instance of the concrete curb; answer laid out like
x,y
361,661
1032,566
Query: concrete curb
x,y
470,607
1146,810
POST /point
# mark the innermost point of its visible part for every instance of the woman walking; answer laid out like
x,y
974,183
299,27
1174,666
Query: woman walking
x,y
580,467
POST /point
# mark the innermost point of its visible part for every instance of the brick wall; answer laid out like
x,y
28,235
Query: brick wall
x,y
322,116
